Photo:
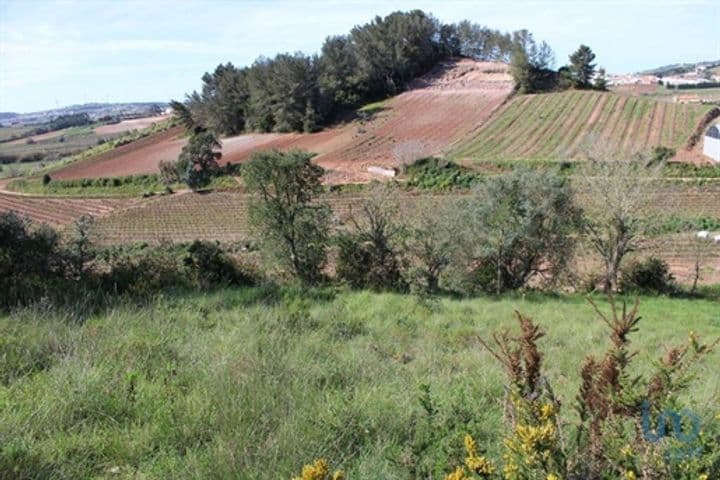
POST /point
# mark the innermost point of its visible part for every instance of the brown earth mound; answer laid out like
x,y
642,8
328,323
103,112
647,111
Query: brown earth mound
x,y
439,109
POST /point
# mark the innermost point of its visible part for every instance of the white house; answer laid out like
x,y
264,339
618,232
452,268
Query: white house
x,y
711,144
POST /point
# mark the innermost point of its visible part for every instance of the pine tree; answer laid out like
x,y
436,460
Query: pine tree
x,y
581,66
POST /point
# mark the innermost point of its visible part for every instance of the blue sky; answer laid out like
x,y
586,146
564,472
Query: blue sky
x,y
56,53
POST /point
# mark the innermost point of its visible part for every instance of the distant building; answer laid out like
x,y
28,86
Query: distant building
x,y
711,144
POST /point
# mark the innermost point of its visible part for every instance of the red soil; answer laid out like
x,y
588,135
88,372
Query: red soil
x,y
439,109
142,156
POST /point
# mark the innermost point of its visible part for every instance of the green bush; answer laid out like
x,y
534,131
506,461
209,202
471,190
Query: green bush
x,y
209,266
439,174
649,275
516,227
362,263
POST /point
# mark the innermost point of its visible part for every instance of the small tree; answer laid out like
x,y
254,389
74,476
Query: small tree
x,y
701,248
581,66
600,80
431,241
201,159
293,227
518,226
368,254
81,246
529,62
616,195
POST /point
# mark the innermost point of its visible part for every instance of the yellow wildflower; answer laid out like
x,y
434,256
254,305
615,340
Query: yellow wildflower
x,y
531,436
480,465
458,474
510,471
338,475
470,445
704,476
626,451
476,463
552,476
316,471
630,475
547,411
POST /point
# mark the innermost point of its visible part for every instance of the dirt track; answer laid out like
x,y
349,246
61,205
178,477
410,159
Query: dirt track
x,y
438,110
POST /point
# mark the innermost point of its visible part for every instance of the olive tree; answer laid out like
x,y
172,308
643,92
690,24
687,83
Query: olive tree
x,y
292,225
518,226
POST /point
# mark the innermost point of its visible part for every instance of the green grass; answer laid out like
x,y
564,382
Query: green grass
x,y
706,94
12,170
62,143
10,133
128,186
252,383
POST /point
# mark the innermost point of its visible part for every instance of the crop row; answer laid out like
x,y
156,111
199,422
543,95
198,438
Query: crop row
x,y
223,215
59,211
560,126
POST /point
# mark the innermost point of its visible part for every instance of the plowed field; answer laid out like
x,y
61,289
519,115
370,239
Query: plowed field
x,y
439,109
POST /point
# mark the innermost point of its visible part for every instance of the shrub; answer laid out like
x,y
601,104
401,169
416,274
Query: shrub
x,y
363,263
649,275
172,172
209,266
145,272
30,258
661,154
614,437
438,174
516,227
368,256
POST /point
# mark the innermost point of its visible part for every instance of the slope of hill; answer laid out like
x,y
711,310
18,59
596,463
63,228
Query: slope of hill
x,y
60,212
558,126
439,109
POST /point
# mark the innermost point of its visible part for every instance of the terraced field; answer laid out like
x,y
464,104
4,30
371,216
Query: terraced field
x,y
60,212
558,126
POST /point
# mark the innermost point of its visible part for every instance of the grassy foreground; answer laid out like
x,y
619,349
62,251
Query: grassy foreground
x,y
252,383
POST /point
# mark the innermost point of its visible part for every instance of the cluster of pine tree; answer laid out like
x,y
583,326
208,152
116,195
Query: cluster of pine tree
x,y
298,92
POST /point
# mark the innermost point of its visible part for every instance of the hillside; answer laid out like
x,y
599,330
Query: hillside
x,y
438,110
559,126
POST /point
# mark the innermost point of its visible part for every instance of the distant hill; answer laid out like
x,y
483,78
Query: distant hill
x,y
94,110
679,68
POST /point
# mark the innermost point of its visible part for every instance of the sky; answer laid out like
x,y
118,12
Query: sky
x,y
58,53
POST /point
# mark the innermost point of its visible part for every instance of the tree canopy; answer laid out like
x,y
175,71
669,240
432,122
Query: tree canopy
x,y
581,66
299,92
